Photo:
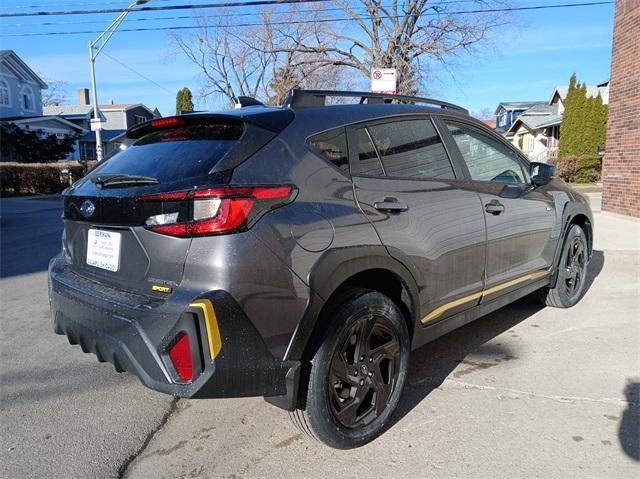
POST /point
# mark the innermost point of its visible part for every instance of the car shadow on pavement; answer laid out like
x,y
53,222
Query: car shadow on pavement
x,y
431,364
629,430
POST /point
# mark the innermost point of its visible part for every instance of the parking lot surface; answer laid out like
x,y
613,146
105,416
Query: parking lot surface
x,y
524,392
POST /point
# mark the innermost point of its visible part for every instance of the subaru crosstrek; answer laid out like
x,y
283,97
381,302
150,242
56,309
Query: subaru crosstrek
x,y
301,252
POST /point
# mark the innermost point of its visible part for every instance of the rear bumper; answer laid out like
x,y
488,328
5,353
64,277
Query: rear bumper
x,y
135,333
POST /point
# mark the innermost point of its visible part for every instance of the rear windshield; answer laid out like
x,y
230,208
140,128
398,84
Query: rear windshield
x,y
175,154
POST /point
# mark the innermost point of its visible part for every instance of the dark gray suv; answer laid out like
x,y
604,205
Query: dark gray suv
x,y
300,253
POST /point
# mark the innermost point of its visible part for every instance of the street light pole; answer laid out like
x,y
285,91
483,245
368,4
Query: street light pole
x,y
102,40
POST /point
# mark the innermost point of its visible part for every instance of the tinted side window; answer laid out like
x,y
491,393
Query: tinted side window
x,y
486,158
368,163
411,149
332,145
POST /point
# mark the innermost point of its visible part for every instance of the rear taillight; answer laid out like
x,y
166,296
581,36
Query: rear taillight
x,y
180,355
217,210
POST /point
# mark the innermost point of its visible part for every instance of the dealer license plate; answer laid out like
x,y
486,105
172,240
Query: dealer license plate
x,y
103,249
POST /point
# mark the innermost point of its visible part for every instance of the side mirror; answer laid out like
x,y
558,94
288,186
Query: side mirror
x,y
541,173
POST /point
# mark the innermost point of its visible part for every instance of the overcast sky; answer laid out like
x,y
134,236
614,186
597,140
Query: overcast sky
x,y
525,62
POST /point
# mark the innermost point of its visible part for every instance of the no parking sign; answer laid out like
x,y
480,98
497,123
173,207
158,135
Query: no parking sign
x,y
383,80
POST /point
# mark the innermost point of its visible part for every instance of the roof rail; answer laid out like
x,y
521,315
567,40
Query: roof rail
x,y
245,101
315,98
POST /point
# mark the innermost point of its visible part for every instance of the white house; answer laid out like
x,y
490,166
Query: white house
x,y
536,131
116,119
21,101
20,88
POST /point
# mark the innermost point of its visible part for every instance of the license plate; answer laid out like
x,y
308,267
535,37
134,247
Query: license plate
x,y
103,249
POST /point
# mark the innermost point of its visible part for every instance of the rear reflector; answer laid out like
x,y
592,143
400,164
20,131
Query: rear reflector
x,y
180,355
218,210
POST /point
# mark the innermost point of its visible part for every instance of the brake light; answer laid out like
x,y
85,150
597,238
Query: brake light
x,y
166,122
218,210
180,355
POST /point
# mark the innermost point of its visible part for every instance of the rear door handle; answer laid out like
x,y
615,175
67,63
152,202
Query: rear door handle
x,y
494,207
392,205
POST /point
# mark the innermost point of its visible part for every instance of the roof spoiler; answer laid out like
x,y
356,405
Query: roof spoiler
x,y
274,121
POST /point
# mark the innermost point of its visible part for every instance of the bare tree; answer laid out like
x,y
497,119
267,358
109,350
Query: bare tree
x,y
317,47
262,60
405,35
56,94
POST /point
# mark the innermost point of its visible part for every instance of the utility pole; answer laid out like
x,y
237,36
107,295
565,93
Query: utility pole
x,y
102,39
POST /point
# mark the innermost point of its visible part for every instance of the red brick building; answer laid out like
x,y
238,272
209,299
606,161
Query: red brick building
x,y
621,165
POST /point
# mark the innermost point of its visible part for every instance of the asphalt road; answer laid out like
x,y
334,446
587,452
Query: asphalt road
x,y
524,392
62,414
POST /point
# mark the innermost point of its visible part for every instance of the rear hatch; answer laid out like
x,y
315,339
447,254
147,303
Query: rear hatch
x,y
107,220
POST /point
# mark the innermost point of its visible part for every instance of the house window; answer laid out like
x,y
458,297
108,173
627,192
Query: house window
x,y
5,98
87,151
139,119
27,99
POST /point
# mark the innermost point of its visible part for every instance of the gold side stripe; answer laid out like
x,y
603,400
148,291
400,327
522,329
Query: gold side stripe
x,y
211,324
513,282
436,313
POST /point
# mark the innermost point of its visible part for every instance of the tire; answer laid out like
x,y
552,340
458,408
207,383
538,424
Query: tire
x,y
572,272
357,372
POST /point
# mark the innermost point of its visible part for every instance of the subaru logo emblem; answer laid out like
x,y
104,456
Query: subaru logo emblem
x,y
87,208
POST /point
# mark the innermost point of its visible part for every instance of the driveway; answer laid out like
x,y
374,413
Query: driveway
x,y
526,391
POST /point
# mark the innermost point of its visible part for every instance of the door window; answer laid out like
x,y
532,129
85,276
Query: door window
x,y
367,161
403,149
487,159
411,149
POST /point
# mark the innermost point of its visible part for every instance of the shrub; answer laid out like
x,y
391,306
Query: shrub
x,y
33,146
584,169
588,169
566,168
37,178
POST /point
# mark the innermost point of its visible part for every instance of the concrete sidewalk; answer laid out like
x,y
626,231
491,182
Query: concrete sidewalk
x,y
524,392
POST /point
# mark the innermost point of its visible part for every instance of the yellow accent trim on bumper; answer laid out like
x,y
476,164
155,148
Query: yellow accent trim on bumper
x,y
436,313
211,324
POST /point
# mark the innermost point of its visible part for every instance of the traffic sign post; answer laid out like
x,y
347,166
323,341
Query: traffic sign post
x,y
96,124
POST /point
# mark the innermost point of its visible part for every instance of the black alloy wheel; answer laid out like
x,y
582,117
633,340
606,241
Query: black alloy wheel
x,y
575,266
364,371
572,271
357,372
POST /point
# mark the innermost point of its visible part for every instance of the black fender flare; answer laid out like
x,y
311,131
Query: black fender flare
x,y
332,269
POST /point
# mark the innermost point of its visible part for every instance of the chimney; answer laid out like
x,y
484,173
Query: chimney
x,y
83,96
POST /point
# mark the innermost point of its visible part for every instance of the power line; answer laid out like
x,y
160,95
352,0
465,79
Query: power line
x,y
80,4
322,20
252,3
137,72
222,15
190,17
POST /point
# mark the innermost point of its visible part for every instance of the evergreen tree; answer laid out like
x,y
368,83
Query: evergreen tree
x,y
184,101
583,123
582,131
567,127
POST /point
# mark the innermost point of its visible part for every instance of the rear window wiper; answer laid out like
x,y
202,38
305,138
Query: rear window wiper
x,y
115,180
